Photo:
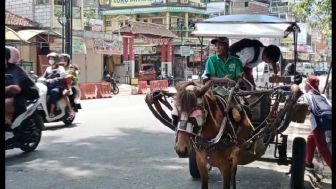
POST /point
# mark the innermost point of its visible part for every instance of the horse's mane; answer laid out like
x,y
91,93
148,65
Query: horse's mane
x,y
187,99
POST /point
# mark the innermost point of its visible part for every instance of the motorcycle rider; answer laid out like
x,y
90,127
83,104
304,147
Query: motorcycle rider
x,y
72,73
289,71
54,76
21,88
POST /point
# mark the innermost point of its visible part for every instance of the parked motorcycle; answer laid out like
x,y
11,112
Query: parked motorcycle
x,y
61,113
171,80
113,81
26,130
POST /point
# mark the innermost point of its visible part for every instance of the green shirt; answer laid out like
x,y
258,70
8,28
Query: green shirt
x,y
215,66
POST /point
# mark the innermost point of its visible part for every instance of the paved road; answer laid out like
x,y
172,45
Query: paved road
x,y
117,143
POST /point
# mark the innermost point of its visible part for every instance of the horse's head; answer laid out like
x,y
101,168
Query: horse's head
x,y
190,116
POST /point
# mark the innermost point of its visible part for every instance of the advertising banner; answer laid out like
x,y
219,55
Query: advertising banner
x,y
130,3
145,50
107,47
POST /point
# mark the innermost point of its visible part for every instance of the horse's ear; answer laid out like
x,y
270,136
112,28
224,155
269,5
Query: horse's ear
x,y
204,88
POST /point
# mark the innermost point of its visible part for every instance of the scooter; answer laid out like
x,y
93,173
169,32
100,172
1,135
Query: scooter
x,y
61,113
26,130
113,81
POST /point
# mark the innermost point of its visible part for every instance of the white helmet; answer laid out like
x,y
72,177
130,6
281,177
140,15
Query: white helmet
x,y
55,56
52,54
14,55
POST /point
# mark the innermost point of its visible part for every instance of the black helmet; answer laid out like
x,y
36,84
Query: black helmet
x,y
290,68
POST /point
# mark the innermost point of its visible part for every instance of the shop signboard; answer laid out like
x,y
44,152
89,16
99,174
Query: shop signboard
x,y
113,47
185,50
303,56
130,3
302,35
96,25
142,3
145,50
78,45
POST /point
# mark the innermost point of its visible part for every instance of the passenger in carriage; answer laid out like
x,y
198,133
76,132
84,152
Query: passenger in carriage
x,y
252,52
222,67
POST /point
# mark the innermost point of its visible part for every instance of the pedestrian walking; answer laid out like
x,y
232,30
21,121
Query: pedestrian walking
x,y
320,118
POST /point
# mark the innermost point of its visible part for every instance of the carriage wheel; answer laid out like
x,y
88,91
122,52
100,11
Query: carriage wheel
x,y
298,163
193,169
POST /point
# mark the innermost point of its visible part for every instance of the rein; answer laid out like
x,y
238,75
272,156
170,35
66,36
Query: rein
x,y
219,141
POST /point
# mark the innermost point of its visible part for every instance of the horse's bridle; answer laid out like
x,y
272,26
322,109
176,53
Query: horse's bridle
x,y
199,113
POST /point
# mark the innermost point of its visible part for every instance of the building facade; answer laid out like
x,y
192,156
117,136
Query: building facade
x,y
176,15
49,14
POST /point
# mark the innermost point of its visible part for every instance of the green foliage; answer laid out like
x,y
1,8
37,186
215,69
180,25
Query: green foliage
x,y
315,12
88,13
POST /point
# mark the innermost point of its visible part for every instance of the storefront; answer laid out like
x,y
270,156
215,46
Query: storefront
x,y
145,43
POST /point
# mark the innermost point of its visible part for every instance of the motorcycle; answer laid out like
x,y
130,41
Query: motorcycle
x,y
170,79
113,81
32,75
61,113
26,130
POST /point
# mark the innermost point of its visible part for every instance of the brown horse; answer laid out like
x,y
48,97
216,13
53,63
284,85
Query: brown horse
x,y
201,114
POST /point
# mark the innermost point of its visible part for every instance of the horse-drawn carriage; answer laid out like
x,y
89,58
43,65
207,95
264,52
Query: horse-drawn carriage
x,y
221,125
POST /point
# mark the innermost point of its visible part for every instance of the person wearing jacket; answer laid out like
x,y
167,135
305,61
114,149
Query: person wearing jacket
x,y
20,89
54,75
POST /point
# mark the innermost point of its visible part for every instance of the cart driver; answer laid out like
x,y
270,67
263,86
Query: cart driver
x,y
222,67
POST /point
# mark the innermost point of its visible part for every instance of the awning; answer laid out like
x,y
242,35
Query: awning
x,y
12,35
243,25
28,34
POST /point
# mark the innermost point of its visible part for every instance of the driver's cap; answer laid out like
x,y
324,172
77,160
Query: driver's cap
x,y
221,40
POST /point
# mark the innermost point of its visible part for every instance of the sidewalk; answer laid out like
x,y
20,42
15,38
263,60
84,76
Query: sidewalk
x,y
302,130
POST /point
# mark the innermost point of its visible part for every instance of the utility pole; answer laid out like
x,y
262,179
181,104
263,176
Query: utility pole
x,y
68,27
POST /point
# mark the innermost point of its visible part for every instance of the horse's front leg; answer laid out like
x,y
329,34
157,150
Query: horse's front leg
x,y
226,171
233,176
201,160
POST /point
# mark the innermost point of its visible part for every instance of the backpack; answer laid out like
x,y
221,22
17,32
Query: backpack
x,y
244,43
321,111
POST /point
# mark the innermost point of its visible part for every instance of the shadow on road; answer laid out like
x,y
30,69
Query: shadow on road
x,y
132,159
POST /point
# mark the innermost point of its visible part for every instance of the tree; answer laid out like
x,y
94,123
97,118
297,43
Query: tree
x,y
317,13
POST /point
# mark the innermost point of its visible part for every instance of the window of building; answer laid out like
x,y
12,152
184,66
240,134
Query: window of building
x,y
145,20
58,2
157,21
282,16
245,4
108,23
41,2
75,3
104,2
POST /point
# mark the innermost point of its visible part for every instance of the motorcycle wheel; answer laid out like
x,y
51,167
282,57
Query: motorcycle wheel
x,y
115,90
31,134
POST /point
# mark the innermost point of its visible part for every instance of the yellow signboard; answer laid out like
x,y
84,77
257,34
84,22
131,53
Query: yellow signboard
x,y
303,56
133,3
288,55
288,39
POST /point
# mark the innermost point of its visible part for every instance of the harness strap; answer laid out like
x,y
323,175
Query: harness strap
x,y
223,125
